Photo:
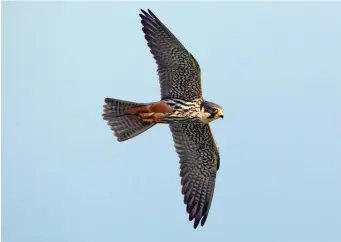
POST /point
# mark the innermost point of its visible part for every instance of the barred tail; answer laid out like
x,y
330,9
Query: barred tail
x,y
124,127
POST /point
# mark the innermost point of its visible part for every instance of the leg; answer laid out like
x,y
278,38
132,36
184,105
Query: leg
x,y
151,117
145,115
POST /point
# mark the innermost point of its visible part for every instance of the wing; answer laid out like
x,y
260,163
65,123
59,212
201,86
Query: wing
x,y
179,73
199,159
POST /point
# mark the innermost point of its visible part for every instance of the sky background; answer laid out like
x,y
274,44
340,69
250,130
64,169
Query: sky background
x,y
274,67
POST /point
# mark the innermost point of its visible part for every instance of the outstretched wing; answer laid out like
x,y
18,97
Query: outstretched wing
x,y
199,159
179,73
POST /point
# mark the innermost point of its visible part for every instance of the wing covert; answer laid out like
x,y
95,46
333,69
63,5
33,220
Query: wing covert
x,y
179,72
199,162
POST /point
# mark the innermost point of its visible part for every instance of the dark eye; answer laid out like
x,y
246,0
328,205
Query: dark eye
x,y
214,110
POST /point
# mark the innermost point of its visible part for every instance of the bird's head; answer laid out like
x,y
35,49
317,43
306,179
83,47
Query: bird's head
x,y
210,111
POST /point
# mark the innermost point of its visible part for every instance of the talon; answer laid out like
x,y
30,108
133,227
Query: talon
x,y
145,115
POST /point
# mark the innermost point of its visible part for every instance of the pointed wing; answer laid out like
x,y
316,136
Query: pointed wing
x,y
179,73
199,159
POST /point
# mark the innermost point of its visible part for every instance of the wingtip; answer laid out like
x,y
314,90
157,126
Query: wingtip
x,y
152,14
148,13
144,12
196,223
199,221
203,220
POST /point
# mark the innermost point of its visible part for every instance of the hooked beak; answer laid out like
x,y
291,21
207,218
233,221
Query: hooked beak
x,y
220,114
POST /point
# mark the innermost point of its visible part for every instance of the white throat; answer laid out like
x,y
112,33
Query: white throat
x,y
204,116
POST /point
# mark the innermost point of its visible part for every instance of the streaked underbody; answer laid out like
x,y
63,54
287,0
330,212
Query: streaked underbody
x,y
183,108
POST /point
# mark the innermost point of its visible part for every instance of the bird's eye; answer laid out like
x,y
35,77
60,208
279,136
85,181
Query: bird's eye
x,y
214,110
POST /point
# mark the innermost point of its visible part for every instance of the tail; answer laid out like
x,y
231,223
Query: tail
x,y
124,127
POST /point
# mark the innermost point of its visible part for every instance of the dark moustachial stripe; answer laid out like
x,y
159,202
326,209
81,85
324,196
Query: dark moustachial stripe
x,y
181,107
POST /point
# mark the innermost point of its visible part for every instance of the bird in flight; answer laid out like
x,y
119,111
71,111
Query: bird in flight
x,y
183,107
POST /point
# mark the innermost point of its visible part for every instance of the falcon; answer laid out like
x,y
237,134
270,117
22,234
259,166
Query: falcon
x,y
183,107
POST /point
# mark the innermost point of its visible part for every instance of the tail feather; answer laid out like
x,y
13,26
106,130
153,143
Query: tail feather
x,y
123,126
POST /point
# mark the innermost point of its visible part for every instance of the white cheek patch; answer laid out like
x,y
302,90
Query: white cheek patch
x,y
204,117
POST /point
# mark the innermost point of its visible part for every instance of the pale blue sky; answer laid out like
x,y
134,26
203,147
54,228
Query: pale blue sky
x,y
274,67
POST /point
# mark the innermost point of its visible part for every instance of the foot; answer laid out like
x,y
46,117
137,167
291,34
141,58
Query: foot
x,y
146,117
